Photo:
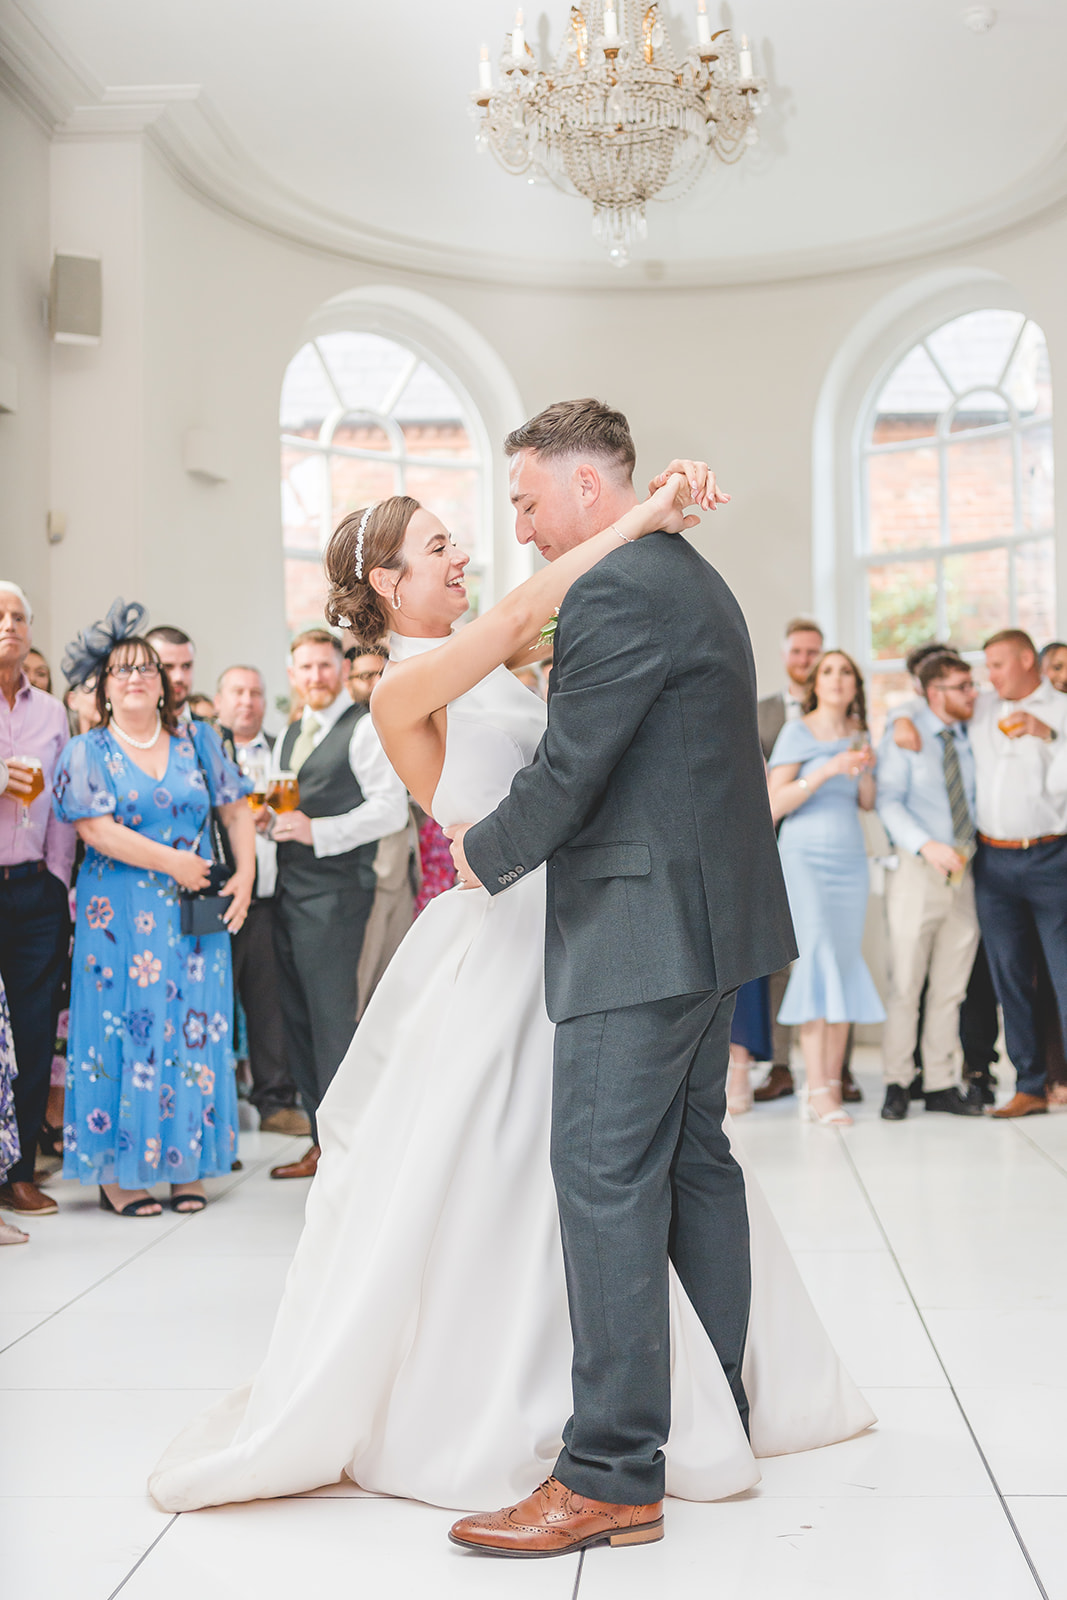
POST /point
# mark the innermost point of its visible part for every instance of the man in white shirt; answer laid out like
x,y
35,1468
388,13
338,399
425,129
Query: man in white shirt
x,y
350,798
240,705
1019,738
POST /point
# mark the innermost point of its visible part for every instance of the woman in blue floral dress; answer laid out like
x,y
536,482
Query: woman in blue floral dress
x,y
150,1083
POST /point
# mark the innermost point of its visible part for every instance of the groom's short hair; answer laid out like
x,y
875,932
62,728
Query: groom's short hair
x,y
585,428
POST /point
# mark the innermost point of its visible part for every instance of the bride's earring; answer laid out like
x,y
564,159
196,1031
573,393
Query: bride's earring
x,y
396,599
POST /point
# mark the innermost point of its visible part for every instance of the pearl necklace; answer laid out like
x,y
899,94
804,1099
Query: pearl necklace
x,y
140,744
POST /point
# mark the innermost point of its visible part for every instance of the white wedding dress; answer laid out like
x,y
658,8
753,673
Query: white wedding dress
x,y
422,1347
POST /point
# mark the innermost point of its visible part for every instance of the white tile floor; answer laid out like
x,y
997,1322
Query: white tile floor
x,y
934,1251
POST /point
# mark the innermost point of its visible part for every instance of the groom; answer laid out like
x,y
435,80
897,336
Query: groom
x,y
648,801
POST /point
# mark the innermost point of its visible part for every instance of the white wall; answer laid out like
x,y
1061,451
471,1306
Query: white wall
x,y
733,373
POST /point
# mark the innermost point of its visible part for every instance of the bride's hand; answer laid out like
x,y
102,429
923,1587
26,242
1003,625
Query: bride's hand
x,y
662,512
704,490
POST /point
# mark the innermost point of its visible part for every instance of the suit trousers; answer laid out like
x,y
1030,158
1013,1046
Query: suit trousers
x,y
1022,907
255,979
34,937
644,1174
933,936
317,940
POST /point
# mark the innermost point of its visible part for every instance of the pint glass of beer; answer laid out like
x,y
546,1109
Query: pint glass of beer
x,y
36,772
284,793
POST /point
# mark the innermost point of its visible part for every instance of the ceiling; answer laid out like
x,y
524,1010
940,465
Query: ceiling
x,y
893,129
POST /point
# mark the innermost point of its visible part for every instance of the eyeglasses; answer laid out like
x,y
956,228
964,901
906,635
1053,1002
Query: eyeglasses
x,y
365,677
144,669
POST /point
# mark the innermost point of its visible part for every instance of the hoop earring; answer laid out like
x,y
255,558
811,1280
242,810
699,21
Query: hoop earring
x,y
396,600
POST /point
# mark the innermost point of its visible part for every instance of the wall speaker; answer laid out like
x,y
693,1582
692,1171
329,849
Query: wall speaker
x,y
75,300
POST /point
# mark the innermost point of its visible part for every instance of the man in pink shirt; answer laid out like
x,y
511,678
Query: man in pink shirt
x,y
36,856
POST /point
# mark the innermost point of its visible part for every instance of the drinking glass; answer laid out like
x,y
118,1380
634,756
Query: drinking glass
x,y
36,787
284,793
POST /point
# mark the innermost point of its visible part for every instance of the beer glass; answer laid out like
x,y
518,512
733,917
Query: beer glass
x,y
255,764
284,793
36,786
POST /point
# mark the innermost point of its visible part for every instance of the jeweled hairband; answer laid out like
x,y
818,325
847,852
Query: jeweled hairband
x,y
360,531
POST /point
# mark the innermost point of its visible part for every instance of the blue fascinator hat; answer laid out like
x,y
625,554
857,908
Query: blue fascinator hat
x,y
86,654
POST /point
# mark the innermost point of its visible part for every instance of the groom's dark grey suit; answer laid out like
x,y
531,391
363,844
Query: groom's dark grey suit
x,y
648,800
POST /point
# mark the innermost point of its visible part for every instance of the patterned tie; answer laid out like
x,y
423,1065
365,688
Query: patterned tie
x,y
962,821
305,741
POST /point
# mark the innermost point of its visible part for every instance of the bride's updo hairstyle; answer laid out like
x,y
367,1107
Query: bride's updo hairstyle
x,y
351,602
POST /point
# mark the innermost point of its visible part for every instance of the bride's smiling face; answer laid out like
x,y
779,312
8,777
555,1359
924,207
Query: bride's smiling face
x,y
432,592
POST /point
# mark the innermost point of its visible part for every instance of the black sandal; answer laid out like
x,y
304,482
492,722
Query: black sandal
x,y
187,1205
136,1208
50,1140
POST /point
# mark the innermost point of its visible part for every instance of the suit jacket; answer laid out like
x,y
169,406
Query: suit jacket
x,y
771,713
647,795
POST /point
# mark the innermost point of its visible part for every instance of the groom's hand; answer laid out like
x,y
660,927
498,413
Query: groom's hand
x,y
703,487
467,878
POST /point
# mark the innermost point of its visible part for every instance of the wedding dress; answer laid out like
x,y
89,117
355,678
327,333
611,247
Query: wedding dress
x,y
422,1347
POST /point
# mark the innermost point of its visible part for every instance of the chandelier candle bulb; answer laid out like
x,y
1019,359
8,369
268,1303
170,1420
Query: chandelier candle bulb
x,y
485,70
744,59
703,25
611,22
518,38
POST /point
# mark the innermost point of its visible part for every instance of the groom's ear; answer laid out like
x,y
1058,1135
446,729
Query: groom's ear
x,y
588,483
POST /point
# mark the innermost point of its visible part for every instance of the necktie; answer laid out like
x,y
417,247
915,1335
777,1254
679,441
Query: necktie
x,y
962,821
305,741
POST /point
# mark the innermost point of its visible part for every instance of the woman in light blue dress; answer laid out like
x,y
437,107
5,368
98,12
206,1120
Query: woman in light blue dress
x,y
820,777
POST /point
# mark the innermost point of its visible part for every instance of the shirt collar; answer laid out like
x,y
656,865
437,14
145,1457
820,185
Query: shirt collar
x,y
258,743
927,722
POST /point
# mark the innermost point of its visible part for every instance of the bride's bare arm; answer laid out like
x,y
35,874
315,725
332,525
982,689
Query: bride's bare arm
x,y
408,704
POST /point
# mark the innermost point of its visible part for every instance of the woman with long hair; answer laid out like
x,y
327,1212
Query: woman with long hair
x,y
821,776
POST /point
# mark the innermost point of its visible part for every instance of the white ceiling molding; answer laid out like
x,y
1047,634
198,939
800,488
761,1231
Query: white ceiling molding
x,y
196,145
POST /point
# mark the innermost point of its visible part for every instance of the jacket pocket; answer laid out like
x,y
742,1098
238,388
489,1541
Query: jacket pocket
x,y
608,861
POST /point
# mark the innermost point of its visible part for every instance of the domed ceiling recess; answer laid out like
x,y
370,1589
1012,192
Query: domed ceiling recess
x,y
892,129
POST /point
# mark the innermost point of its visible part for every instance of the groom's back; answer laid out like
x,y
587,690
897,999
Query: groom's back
x,y
673,885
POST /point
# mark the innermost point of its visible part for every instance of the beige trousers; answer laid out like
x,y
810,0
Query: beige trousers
x,y
933,935
392,913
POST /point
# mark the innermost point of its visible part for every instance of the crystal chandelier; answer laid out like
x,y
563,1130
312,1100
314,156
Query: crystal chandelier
x,y
619,118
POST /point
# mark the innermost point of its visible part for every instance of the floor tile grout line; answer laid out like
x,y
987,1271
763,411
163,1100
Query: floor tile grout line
x,y
578,1574
144,1556
1051,1159
144,1250
1020,1541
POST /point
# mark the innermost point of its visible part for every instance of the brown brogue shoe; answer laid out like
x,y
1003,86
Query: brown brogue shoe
x,y
779,1083
27,1200
306,1167
1022,1105
554,1521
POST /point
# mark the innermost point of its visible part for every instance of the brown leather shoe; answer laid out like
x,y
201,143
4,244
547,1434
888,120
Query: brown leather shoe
x,y
851,1092
553,1521
779,1083
306,1167
1022,1105
287,1119
27,1199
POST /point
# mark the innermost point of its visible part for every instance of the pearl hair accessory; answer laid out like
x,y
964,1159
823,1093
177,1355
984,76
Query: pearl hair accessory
x,y
360,531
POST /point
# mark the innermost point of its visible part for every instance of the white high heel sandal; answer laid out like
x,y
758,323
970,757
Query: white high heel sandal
x,y
739,1088
836,1117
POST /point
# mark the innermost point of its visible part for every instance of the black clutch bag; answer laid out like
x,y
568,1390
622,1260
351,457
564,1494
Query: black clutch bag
x,y
202,910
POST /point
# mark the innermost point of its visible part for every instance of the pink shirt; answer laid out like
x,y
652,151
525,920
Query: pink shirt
x,y
36,725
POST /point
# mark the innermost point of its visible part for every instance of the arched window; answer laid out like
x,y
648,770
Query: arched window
x,y
956,516
364,417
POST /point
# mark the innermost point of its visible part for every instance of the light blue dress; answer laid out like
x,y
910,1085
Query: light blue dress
x,y
825,864
150,1082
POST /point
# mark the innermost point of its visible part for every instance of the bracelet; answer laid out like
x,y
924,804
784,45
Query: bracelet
x,y
627,538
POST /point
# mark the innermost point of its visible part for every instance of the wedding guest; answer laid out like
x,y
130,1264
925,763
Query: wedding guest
x,y
38,671
350,798
150,1085
9,1130
36,853
202,707
802,645
1019,737
395,864
1054,665
926,803
437,870
240,705
820,775
177,652
80,701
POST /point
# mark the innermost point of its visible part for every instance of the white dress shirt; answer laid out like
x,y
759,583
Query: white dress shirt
x,y
385,800
266,849
792,705
1021,784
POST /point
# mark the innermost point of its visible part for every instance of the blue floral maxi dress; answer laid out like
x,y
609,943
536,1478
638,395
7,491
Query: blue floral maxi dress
x,y
9,1133
150,1082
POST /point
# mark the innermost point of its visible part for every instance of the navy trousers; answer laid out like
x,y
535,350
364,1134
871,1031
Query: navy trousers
x,y
34,936
1022,907
643,1174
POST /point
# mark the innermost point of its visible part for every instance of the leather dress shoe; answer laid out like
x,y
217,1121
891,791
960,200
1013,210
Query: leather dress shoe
x,y
957,1101
982,1085
779,1084
896,1102
851,1093
554,1521
1023,1105
287,1119
915,1088
306,1167
26,1199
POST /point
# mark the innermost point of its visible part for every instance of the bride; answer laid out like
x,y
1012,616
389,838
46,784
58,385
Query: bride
x,y
422,1347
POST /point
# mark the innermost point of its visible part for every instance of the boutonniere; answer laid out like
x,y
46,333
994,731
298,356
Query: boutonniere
x,y
548,632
